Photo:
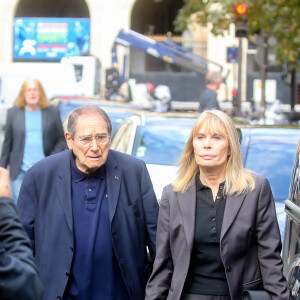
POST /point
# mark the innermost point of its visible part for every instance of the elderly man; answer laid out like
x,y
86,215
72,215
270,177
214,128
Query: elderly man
x,y
208,98
91,214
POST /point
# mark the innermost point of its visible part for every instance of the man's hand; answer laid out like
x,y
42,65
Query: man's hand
x,y
4,183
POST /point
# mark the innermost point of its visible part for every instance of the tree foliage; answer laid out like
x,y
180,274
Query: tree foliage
x,y
277,18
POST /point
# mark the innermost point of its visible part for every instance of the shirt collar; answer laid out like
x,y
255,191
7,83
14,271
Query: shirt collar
x,y
200,185
78,175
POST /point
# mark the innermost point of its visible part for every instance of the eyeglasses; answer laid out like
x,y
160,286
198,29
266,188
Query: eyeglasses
x,y
87,140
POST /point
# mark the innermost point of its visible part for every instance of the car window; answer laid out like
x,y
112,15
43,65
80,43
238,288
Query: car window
x,y
273,159
122,136
161,145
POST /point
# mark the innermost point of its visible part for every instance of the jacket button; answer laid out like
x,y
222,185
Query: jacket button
x,y
71,248
229,268
58,298
67,274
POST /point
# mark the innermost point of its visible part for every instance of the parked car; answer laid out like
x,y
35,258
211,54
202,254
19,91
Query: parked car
x,y
270,151
159,139
117,111
291,239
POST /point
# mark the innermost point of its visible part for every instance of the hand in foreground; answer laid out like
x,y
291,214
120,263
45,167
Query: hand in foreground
x,y
4,183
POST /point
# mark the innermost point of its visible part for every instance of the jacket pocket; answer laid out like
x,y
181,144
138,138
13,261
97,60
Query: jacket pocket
x,y
256,284
134,207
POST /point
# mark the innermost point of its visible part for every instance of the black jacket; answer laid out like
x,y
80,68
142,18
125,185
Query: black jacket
x,y
14,141
18,274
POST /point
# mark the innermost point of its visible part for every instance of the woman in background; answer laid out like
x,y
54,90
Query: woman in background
x,y
217,233
33,130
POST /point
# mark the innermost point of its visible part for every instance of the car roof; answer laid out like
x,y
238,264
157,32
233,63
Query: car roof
x,y
150,117
67,105
93,100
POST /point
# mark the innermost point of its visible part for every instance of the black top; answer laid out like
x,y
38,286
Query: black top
x,y
19,278
206,275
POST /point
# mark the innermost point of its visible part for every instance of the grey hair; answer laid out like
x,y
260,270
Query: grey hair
x,y
213,77
86,109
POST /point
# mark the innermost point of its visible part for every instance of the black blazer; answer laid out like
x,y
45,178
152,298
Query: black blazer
x,y
14,140
45,206
18,272
249,244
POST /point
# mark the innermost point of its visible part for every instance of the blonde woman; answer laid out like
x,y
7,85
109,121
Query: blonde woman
x,y
217,231
33,130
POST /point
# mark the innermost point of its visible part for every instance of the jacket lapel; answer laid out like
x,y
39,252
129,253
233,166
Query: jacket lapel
x,y
233,205
187,205
113,183
20,119
63,191
44,119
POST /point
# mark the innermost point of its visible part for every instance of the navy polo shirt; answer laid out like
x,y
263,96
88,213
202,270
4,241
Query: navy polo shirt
x,y
95,272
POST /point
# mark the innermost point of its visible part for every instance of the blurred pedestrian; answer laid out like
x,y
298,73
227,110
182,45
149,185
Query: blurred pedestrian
x,y
33,130
217,232
19,277
91,214
208,98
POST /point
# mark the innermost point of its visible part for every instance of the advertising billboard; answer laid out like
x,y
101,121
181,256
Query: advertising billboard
x,y
50,38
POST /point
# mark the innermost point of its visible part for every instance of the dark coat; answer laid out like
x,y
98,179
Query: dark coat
x,y
208,100
46,212
14,140
249,243
19,277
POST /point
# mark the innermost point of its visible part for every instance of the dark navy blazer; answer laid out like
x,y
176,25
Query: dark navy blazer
x,y
46,212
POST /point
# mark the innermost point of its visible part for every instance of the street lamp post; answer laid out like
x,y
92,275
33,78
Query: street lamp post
x,y
263,73
241,31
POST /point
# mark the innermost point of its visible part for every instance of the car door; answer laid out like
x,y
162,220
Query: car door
x,y
291,239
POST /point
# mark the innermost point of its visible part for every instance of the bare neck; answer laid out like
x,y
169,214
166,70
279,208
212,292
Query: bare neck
x,y
32,108
212,178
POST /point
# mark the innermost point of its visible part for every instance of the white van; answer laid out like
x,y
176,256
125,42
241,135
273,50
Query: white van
x,y
76,76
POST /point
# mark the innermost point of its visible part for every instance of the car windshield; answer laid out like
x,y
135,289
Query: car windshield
x,y
162,143
117,118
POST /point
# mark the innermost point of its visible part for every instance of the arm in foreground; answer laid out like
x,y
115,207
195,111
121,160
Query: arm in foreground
x,y
19,277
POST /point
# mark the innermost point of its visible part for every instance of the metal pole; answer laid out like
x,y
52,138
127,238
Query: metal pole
x,y
238,95
263,74
293,88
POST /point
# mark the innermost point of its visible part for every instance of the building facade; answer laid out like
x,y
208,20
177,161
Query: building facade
x,y
108,17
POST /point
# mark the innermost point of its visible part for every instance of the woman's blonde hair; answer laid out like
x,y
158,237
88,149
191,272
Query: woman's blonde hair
x,y
237,179
20,100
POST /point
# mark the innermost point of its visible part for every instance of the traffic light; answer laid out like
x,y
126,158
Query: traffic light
x,y
112,79
234,102
241,21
